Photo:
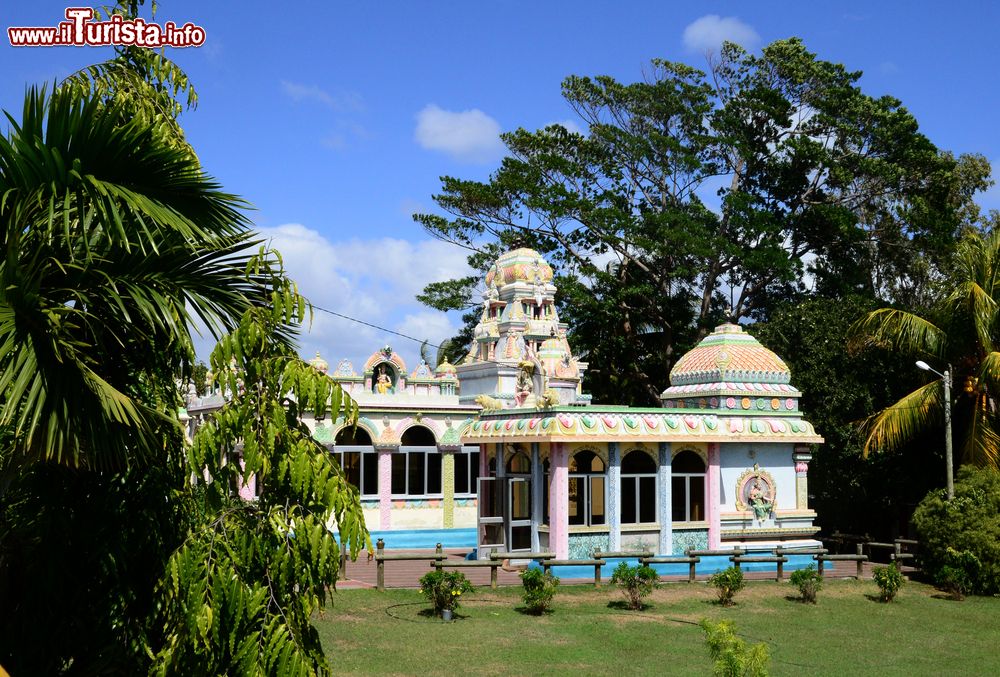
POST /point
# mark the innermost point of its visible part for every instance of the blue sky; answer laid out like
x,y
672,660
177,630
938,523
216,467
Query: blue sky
x,y
336,119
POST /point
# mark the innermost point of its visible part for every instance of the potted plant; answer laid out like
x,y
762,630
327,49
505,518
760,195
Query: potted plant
x,y
443,589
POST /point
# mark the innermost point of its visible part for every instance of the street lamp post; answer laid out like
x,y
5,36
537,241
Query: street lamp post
x,y
946,377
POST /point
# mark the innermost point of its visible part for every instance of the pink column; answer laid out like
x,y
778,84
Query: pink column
x,y
385,488
559,500
714,497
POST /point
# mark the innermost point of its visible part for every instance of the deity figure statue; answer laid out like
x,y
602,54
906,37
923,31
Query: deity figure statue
x,y
523,388
760,501
539,293
384,383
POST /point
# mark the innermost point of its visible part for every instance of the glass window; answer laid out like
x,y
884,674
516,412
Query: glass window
x,y
360,467
587,489
638,488
416,473
688,487
466,471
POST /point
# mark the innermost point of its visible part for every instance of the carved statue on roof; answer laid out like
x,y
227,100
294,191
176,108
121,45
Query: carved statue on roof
x,y
384,384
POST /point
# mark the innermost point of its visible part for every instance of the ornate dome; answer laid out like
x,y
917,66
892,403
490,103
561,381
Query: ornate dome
x,y
446,370
319,364
731,370
519,265
729,354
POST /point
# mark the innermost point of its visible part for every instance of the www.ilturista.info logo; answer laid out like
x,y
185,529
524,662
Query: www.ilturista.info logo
x,y
80,29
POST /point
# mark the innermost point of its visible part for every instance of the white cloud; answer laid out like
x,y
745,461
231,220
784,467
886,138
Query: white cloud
x,y
342,101
709,32
375,281
469,136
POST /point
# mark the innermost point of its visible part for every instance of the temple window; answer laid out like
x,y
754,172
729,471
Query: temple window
x,y
353,451
688,487
416,467
638,482
466,471
587,489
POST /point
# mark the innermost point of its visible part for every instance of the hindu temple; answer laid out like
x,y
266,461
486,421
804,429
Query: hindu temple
x,y
505,451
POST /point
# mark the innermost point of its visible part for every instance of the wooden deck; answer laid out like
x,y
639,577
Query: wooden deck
x,y
406,574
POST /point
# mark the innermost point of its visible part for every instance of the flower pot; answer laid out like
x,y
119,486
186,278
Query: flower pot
x,y
446,614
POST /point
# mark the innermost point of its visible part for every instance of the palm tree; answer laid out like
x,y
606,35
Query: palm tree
x,y
960,333
113,242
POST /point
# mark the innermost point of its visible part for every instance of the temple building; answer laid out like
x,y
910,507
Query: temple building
x,y
722,463
505,451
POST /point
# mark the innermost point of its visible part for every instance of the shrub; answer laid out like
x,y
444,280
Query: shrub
x,y
808,581
968,523
539,589
889,580
444,588
733,658
959,573
727,583
635,582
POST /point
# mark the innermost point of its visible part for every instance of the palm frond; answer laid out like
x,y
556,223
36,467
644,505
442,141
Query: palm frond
x,y
901,331
900,423
981,445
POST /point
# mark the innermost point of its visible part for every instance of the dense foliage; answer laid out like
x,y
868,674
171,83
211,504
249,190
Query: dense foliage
x,y
889,580
444,589
808,581
727,583
123,549
969,523
539,590
636,582
732,656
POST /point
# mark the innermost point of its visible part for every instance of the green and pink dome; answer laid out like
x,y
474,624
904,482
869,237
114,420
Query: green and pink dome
x,y
730,370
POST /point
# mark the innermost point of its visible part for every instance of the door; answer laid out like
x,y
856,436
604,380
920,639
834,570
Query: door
x,y
519,513
491,516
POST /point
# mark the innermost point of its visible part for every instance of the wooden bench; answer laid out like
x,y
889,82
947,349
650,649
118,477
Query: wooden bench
x,y
814,552
738,560
381,558
675,559
462,564
860,559
547,564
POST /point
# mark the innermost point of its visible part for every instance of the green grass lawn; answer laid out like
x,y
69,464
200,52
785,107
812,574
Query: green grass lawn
x,y
847,633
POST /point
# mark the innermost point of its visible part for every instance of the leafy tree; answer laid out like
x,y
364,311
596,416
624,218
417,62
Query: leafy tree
x,y
238,595
693,185
960,333
111,560
112,241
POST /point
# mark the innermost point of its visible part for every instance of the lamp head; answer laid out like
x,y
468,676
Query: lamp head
x,y
923,365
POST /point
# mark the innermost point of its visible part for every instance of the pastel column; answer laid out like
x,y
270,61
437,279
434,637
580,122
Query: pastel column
x,y
801,456
448,488
537,489
714,497
559,500
384,487
615,494
665,506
